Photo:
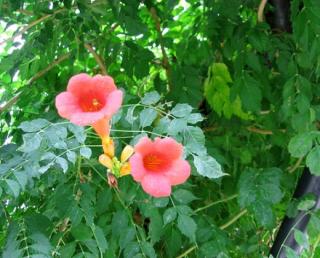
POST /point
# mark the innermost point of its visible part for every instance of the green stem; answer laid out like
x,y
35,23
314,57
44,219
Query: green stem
x,y
216,202
234,219
316,244
187,252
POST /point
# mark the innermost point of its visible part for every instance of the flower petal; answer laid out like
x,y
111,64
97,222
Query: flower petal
x,y
79,83
66,104
156,185
113,103
179,172
169,146
137,168
86,118
105,83
144,146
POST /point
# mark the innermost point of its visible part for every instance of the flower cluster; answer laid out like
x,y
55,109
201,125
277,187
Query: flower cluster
x,y
157,164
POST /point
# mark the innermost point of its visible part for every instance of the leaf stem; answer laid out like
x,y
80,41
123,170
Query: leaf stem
x,y
187,252
234,219
216,202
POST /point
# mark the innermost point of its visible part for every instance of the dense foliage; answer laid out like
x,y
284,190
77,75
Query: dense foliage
x,y
232,90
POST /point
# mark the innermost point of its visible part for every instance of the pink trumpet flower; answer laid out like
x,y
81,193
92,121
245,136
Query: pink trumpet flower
x,y
90,101
158,165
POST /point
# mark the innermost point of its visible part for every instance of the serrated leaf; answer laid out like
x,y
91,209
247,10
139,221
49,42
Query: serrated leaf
x,y
62,163
101,239
22,178
85,152
169,215
13,186
81,232
250,93
130,115
187,226
148,250
176,126
31,142
184,196
306,205
147,116
313,159
194,118
300,145
301,238
150,98
207,166
72,157
258,190
181,110
78,132
162,125
131,250
127,236
48,156
34,125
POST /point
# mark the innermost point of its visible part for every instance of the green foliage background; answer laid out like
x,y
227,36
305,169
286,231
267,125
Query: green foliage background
x,y
258,94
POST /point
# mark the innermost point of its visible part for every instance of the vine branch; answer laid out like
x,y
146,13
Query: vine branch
x,y
32,24
97,58
261,7
165,59
39,74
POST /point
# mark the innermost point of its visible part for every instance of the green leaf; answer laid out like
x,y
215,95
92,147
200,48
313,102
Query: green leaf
x,y
187,226
147,116
72,157
131,250
207,166
31,142
127,235
176,126
169,215
250,93
13,186
162,125
313,159
68,250
307,202
148,250
78,132
101,239
81,232
34,125
300,144
130,115
258,190
62,163
181,110
42,244
150,98
301,238
195,118
184,196
218,93
85,152
291,253
160,202
119,222
22,178
155,226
